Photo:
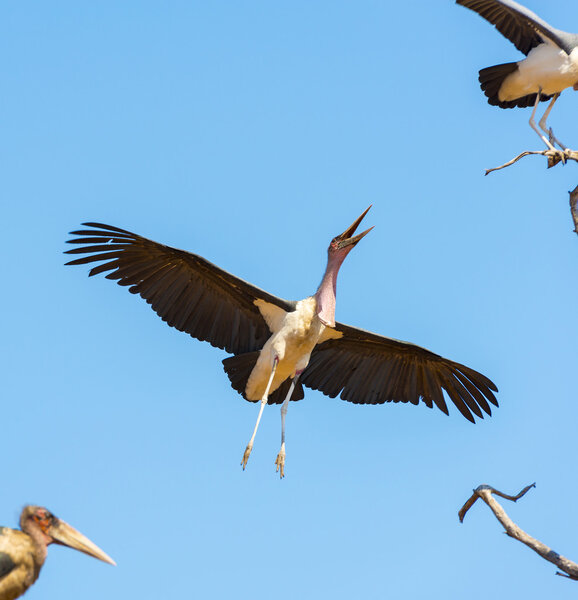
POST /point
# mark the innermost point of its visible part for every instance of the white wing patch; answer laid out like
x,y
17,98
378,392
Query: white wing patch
x,y
329,334
274,317
272,314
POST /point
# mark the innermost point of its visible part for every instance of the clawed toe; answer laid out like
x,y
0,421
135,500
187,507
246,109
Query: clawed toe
x,y
246,455
280,463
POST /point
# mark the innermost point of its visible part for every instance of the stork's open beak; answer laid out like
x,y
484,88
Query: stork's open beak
x,y
347,238
64,534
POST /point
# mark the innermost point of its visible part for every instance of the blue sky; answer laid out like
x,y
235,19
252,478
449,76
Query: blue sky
x,y
252,133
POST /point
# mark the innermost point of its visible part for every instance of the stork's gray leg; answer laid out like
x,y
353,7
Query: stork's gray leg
x,y
533,123
280,461
263,402
549,131
542,122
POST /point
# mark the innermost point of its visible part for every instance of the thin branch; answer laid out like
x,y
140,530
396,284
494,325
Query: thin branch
x,y
553,156
569,568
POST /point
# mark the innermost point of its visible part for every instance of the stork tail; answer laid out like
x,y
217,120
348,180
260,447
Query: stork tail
x,y
491,80
238,369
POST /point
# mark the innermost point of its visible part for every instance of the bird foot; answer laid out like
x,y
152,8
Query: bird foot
x,y
280,462
246,455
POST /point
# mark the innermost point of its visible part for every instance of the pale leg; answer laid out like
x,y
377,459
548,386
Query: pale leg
x,y
280,461
263,402
533,123
549,131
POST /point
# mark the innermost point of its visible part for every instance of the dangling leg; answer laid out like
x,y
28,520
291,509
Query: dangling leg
x,y
533,123
542,122
549,131
280,461
263,402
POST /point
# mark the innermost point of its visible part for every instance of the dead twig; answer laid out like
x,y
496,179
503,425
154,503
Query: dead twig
x,y
569,568
553,156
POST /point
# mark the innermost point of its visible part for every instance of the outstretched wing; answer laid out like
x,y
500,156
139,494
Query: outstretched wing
x,y
521,26
366,368
185,290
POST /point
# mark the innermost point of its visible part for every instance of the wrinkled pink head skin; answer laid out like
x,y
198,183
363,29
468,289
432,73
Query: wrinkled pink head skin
x,y
38,520
339,248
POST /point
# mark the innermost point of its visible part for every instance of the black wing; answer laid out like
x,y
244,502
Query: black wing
x,y
366,368
521,26
185,290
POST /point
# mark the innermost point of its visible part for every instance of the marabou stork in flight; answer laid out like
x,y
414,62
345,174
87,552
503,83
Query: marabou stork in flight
x,y
23,551
280,346
550,66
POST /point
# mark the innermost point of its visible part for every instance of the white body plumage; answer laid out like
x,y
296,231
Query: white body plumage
x,y
546,67
294,335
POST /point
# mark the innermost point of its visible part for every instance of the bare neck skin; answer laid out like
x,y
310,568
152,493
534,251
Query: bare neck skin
x,y
40,540
326,292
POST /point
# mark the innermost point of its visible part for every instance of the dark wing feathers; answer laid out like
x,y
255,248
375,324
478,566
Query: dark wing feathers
x,y
521,26
194,296
185,290
365,368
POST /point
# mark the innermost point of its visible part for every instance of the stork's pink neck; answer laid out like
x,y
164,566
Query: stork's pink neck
x,y
325,295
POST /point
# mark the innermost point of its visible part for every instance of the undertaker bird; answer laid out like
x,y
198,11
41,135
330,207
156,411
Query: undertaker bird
x,y
550,66
280,346
23,551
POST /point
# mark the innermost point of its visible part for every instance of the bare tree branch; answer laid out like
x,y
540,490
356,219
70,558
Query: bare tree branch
x,y
569,568
553,156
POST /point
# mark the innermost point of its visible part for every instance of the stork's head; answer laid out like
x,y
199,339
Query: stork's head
x,y
342,244
45,527
339,248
